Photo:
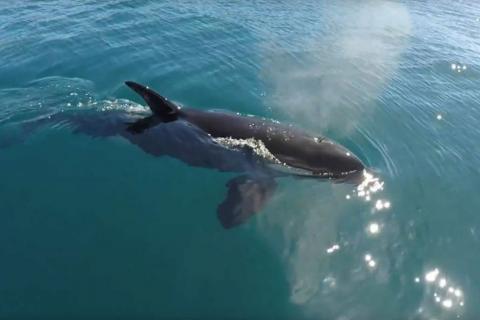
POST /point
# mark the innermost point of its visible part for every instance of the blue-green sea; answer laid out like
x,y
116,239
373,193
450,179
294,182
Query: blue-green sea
x,y
94,227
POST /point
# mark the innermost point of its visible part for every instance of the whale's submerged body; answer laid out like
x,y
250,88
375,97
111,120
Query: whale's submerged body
x,y
260,149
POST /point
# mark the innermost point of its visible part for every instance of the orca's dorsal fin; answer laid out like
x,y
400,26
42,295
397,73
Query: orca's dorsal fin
x,y
159,105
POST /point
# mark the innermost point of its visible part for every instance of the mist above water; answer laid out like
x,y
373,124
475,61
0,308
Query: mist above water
x,y
334,77
331,83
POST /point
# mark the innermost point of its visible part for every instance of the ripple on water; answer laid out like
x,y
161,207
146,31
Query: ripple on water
x,y
398,81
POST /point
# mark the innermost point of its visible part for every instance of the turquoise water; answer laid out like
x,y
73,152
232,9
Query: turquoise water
x,y
97,227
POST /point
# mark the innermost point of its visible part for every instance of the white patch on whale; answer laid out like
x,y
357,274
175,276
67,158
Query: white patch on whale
x,y
256,145
259,148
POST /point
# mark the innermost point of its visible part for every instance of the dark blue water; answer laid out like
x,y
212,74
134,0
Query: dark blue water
x,y
97,227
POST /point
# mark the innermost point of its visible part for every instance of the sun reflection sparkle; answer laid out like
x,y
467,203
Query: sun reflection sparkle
x,y
448,297
367,190
373,228
369,260
333,248
368,187
444,293
458,67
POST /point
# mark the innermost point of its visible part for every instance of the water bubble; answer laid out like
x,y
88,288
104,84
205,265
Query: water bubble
x,y
439,117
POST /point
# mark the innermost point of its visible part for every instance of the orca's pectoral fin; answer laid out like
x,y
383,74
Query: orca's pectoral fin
x,y
143,124
246,196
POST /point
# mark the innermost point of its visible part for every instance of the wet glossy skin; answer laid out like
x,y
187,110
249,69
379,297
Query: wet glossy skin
x,y
291,146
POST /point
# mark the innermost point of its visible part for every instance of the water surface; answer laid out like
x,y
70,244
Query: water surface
x,y
96,227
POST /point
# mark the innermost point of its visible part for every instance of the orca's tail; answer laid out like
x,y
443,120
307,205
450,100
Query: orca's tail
x,y
161,107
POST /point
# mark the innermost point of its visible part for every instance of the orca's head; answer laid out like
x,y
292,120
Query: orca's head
x,y
337,162
323,158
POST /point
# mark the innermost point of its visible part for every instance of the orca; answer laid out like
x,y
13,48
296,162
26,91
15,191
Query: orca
x,y
257,150
271,150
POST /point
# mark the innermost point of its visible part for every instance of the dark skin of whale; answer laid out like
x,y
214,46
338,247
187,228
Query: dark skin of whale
x,y
291,146
308,155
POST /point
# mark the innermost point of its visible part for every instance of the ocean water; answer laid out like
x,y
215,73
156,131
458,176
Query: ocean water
x,y
95,227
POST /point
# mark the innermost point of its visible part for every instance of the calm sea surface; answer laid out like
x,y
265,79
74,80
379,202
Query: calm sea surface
x,y
97,227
